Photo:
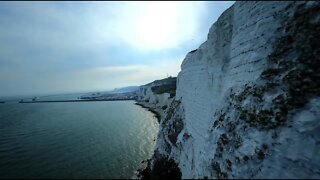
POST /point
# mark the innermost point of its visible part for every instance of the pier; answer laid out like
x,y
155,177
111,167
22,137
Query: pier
x,y
76,100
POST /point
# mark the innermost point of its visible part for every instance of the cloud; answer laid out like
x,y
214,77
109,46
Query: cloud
x,y
84,80
157,25
107,78
144,26
82,46
34,32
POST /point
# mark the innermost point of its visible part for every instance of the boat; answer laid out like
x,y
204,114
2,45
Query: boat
x,y
35,98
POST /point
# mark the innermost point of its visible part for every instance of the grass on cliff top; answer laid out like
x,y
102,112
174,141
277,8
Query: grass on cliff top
x,y
167,88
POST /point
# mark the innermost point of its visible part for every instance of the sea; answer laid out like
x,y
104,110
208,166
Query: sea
x,y
104,139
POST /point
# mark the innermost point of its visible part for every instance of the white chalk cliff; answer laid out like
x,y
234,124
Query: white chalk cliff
x,y
247,101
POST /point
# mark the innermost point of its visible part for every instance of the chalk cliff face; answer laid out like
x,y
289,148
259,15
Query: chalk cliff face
x,y
247,102
157,94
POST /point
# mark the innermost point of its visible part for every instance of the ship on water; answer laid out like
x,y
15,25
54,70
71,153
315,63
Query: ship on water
x,y
35,98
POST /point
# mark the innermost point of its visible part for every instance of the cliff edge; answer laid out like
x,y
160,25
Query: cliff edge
x,y
247,100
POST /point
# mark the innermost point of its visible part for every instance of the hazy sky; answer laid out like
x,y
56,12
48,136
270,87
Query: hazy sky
x,y
58,47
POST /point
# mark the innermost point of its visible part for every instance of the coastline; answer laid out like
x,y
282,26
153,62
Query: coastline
x,y
155,111
145,164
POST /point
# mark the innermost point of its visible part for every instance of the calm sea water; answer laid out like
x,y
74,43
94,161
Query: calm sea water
x,y
74,140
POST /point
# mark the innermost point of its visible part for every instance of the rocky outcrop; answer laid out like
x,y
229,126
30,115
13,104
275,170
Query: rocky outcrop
x,y
157,95
247,100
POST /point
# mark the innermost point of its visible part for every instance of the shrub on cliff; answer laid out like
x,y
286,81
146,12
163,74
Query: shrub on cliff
x,y
163,168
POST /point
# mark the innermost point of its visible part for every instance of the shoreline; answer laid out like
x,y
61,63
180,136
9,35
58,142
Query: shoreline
x,y
153,110
146,163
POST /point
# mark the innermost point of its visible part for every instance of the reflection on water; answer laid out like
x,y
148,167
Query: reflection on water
x,y
74,140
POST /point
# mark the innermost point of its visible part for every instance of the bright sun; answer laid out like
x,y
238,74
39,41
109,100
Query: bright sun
x,y
151,25
158,24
